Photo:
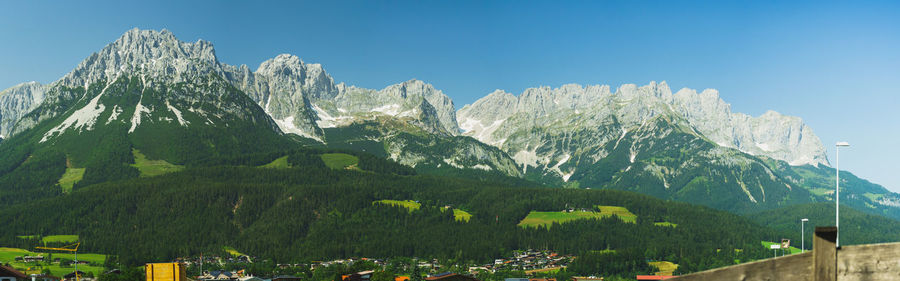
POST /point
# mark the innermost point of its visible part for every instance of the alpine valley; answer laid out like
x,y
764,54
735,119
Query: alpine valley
x,y
94,145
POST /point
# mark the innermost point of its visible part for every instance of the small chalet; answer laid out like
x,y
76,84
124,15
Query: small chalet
x,y
359,276
8,273
44,277
33,258
217,275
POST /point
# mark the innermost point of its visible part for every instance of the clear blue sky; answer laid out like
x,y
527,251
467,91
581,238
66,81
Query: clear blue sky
x,y
836,65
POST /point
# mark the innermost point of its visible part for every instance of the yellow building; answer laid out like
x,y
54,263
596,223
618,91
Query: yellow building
x,y
171,271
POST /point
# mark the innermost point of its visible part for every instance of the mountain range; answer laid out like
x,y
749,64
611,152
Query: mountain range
x,y
174,101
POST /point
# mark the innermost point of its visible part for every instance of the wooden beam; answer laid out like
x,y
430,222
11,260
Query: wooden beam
x,y
825,254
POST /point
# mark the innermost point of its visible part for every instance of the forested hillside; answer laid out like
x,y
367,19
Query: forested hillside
x,y
307,211
856,227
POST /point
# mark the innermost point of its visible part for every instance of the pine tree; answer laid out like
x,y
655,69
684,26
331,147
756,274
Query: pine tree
x,y
416,274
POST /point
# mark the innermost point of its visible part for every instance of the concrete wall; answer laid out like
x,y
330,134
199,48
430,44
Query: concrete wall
x,y
823,263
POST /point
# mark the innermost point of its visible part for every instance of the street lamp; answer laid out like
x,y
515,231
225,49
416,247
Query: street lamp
x,y
802,236
837,190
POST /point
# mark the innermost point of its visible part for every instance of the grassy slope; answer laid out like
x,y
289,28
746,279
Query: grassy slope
x,y
461,215
280,163
408,204
665,223
339,160
232,251
546,219
621,212
60,239
72,176
150,168
52,238
665,268
8,255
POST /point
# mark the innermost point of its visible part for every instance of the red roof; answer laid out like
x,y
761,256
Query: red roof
x,y
653,277
6,271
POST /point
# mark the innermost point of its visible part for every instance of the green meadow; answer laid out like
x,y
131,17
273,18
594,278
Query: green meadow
x,y
546,219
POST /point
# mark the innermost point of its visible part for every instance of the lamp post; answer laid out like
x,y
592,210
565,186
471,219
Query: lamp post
x,y
837,190
802,235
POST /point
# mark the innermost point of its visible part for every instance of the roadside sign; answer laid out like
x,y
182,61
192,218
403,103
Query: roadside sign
x,y
774,246
785,243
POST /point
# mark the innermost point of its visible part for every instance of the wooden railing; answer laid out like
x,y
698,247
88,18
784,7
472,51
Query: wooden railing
x,y
823,263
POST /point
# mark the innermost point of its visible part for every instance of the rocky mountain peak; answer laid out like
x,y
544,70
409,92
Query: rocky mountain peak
x,y
310,80
417,89
153,53
16,101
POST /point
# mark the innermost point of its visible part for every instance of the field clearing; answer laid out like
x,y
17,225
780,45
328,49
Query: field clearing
x,y
8,255
621,212
232,251
280,163
665,224
339,161
60,239
665,268
151,168
461,215
408,204
872,196
70,178
821,191
793,250
546,219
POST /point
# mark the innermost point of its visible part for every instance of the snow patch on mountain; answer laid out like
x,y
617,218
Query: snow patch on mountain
x,y
136,117
526,158
328,121
287,126
114,114
390,109
178,115
567,176
482,167
83,118
482,133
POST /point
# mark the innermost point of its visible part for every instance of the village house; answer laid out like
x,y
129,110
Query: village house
x,y
217,275
33,258
359,276
8,273
44,277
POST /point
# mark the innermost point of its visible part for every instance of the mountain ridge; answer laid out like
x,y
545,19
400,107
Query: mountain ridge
x,y
705,111
684,145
